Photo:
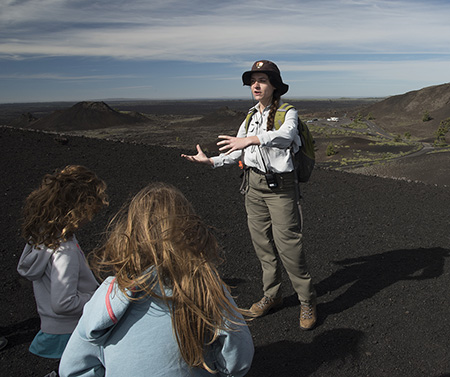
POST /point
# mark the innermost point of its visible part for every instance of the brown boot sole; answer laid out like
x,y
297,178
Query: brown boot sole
x,y
260,313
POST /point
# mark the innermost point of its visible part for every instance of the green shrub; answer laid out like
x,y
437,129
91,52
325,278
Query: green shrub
x,y
444,127
426,116
330,150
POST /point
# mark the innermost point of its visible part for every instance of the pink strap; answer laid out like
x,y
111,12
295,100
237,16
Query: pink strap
x,y
108,302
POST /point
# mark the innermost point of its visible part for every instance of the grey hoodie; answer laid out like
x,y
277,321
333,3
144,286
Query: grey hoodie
x,y
62,284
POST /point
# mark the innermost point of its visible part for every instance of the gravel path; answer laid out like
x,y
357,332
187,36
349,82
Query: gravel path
x,y
378,250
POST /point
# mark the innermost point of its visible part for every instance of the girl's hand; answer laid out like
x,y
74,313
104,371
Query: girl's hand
x,y
200,157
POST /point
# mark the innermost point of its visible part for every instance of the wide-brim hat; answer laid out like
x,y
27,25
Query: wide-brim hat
x,y
271,70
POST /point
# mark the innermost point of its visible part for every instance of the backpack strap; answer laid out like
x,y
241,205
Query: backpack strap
x,y
248,118
280,115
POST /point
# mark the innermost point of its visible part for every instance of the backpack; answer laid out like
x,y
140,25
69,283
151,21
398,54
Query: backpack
x,y
304,158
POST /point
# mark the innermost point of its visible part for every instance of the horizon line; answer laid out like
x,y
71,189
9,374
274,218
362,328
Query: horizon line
x,y
317,98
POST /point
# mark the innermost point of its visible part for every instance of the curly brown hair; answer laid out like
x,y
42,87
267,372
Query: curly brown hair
x,y
158,240
63,202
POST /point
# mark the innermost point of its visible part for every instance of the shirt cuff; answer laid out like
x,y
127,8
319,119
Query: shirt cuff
x,y
217,162
264,139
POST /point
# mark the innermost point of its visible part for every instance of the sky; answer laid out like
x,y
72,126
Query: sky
x,y
78,50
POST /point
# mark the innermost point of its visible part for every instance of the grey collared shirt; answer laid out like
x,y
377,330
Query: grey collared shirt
x,y
274,150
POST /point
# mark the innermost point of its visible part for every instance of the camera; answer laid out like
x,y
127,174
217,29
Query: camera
x,y
271,180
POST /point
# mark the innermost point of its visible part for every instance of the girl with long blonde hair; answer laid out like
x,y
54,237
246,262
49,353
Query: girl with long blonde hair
x,y
52,258
164,306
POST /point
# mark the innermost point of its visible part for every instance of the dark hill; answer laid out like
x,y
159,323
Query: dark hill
x,y
223,118
404,113
82,116
24,120
224,115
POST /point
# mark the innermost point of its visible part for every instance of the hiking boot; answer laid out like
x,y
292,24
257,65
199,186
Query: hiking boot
x,y
308,315
261,307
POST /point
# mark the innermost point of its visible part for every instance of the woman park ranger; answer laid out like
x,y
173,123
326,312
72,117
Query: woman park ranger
x,y
270,193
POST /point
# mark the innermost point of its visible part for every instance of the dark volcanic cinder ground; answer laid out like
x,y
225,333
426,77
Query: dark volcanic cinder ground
x,y
378,250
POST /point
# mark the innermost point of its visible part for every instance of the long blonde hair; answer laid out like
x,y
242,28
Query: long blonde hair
x,y
64,200
158,240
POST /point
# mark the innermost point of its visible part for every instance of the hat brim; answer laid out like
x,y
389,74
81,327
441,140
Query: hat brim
x,y
274,80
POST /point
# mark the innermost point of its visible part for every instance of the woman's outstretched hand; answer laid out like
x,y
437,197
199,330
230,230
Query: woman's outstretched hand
x,y
200,157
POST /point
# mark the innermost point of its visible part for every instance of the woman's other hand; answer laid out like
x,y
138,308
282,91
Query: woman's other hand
x,y
232,143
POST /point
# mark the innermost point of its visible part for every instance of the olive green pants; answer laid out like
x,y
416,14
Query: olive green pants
x,y
274,224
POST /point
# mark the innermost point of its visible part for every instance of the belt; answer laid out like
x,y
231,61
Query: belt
x,y
257,171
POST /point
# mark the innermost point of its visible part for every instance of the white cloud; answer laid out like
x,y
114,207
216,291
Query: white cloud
x,y
62,77
373,44
210,30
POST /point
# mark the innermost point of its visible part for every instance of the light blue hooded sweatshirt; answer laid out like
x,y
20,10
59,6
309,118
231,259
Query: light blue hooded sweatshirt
x,y
119,337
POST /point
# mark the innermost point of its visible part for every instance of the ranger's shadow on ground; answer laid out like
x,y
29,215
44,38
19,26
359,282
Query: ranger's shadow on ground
x,y
286,358
370,274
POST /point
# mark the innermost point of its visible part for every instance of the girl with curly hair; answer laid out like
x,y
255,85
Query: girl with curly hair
x,y
164,306
52,258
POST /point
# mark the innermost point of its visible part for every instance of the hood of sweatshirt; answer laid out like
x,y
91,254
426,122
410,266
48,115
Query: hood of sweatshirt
x,y
106,307
33,262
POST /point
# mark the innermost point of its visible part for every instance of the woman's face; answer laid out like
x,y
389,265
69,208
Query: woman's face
x,y
262,89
